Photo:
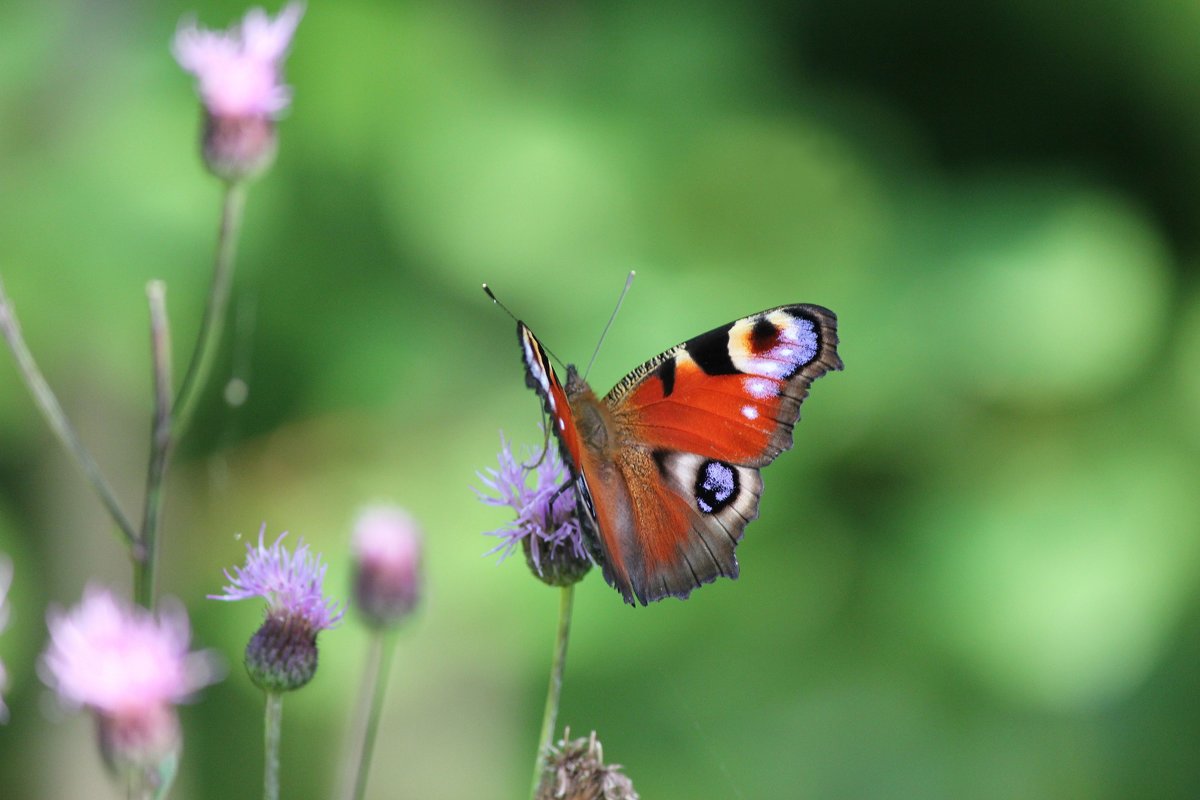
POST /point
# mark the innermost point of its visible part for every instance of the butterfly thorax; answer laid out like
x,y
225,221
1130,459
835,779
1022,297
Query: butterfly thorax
x,y
592,419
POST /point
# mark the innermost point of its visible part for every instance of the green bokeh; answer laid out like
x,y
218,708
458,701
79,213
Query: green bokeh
x,y
976,576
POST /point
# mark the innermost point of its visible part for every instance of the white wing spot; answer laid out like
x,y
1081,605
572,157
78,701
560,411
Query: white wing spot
x,y
562,424
761,388
749,412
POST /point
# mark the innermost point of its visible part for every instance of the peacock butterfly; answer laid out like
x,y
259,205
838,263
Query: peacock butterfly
x,y
667,463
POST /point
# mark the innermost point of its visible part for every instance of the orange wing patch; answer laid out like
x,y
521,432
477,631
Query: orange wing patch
x,y
733,393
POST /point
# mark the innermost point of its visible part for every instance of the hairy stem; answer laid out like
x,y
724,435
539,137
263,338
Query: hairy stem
x,y
160,446
52,410
553,693
272,727
213,322
374,688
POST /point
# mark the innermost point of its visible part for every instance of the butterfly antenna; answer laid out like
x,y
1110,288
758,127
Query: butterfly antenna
x,y
621,299
488,291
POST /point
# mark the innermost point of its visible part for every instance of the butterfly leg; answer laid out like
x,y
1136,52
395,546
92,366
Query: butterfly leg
x,y
567,484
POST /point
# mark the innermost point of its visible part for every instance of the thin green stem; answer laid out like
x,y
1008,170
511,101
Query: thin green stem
x,y
52,410
375,681
557,668
272,727
160,446
213,322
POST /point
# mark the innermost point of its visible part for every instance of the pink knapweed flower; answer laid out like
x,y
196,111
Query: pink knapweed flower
x,y
239,73
387,556
127,666
547,525
282,654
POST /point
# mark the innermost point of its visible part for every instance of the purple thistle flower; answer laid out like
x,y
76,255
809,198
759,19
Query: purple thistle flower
x,y
5,582
129,667
289,582
547,525
282,654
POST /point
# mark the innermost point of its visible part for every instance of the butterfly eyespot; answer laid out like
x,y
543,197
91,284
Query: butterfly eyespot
x,y
716,486
763,335
774,346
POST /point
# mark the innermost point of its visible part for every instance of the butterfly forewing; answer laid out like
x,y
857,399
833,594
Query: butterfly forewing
x,y
733,393
540,376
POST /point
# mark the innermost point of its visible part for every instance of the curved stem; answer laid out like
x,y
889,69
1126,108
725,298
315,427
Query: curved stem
x,y
272,727
213,322
160,445
557,668
46,401
375,681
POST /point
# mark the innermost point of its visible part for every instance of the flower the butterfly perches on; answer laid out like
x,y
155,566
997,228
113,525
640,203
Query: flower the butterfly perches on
x,y
540,489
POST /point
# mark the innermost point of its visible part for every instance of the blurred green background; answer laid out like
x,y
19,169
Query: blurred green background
x,y
976,576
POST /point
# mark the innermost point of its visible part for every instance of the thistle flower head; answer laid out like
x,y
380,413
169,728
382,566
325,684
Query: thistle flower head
x,y
129,667
575,770
5,582
289,582
239,74
547,524
387,556
282,654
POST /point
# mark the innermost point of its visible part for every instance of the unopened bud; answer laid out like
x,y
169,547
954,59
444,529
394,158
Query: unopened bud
x,y
387,570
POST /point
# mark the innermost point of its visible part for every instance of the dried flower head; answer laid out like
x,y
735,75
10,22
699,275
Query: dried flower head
x,y
239,73
387,562
5,582
575,770
129,667
282,654
547,525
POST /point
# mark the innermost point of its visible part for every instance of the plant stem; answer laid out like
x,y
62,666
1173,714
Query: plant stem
x,y
375,681
213,322
557,668
272,727
160,445
52,410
